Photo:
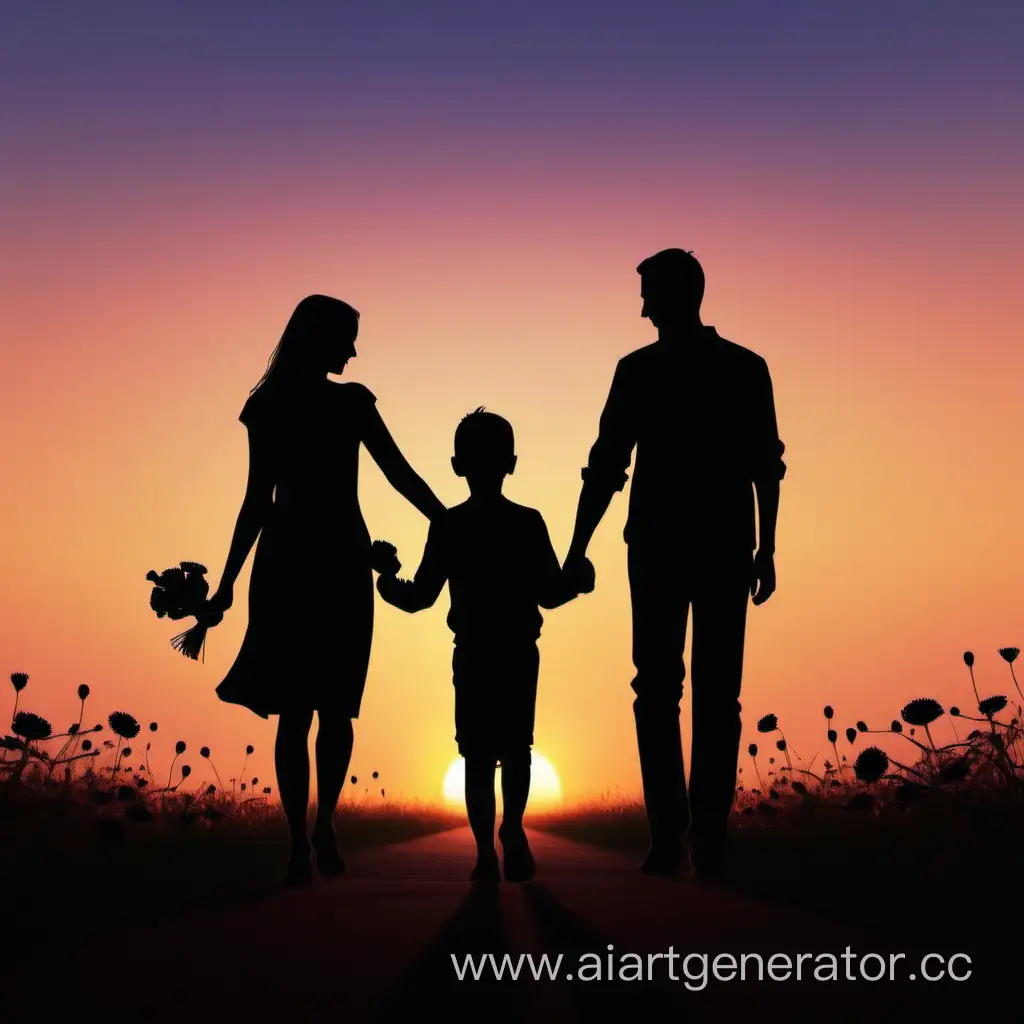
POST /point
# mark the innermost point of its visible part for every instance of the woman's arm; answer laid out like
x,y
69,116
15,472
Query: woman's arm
x,y
259,492
421,592
382,448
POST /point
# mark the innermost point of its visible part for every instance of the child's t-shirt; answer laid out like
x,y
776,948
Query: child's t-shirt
x,y
500,566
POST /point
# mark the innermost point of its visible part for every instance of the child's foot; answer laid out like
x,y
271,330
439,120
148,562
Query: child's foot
x,y
300,867
325,845
519,863
486,868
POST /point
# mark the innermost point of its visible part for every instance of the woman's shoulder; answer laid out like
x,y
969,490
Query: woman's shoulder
x,y
351,397
353,391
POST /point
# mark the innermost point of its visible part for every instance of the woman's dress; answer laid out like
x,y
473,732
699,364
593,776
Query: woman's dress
x,y
311,595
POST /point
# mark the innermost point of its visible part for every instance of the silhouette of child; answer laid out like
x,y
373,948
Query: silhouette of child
x,y
497,559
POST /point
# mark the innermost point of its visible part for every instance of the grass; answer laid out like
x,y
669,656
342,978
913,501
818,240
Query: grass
x,y
927,845
64,858
927,842
914,873
88,830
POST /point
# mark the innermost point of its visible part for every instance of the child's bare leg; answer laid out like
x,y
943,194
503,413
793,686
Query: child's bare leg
x,y
515,792
481,809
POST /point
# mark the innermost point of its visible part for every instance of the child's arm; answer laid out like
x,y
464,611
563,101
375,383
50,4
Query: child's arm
x,y
421,592
557,587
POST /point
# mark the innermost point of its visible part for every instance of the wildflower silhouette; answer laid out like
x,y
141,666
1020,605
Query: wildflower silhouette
x,y
752,750
872,763
19,680
124,725
205,752
250,749
969,662
922,712
992,706
30,727
1009,655
83,695
770,723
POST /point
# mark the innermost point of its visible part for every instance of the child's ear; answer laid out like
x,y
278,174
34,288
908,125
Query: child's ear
x,y
512,464
455,467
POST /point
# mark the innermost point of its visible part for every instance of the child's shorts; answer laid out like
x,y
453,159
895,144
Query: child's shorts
x,y
495,700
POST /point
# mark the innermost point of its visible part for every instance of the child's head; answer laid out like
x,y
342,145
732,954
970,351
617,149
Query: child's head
x,y
485,448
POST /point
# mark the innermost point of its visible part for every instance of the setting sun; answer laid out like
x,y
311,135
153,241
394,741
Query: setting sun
x,y
545,785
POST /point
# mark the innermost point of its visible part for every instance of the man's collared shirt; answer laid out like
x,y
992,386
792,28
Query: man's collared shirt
x,y
700,413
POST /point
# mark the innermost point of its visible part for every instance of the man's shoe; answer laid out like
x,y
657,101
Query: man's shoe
x,y
709,866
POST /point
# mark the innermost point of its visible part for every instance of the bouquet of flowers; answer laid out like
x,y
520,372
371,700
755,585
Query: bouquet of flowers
x,y
180,592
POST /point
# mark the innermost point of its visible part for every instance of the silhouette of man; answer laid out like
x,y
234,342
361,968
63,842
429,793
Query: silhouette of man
x,y
700,412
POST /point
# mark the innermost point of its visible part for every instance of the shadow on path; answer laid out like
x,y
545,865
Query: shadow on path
x,y
431,984
606,997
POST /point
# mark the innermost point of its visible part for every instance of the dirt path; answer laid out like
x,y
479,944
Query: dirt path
x,y
377,945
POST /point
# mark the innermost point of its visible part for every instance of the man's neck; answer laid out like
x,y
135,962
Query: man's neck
x,y
681,332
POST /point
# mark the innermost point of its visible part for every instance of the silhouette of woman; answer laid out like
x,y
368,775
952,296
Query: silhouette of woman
x,y
311,594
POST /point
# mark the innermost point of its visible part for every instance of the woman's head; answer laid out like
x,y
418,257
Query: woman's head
x,y
318,339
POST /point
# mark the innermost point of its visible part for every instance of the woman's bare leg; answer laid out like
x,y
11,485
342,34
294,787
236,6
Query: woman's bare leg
x,y
334,740
291,758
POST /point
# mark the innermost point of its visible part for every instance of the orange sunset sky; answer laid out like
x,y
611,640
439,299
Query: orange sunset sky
x,y
853,192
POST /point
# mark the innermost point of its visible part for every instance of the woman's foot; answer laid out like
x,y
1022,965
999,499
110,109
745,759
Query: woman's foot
x,y
486,868
519,863
325,845
300,866
665,860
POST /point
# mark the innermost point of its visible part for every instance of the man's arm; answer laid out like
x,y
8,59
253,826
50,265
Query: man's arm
x,y
605,472
767,471
423,590
555,586
768,467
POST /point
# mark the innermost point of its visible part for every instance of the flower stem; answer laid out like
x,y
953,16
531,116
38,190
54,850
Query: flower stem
x,y
1015,683
977,696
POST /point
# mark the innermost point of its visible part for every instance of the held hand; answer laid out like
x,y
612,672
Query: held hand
x,y
588,577
224,598
762,586
219,603
580,570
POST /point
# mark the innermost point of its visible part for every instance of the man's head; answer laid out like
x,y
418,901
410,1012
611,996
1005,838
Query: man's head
x,y
485,448
672,288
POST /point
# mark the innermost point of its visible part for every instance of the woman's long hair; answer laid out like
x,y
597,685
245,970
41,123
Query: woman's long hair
x,y
314,318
